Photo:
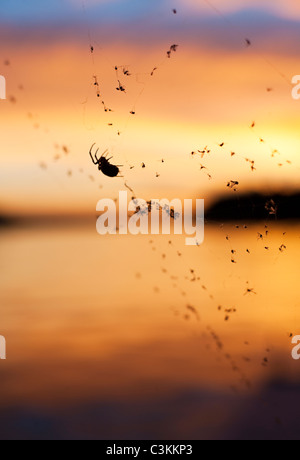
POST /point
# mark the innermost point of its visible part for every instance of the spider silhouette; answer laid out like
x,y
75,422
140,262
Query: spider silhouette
x,y
104,165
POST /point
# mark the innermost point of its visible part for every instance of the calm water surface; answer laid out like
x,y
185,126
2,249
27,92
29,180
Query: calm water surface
x,y
102,342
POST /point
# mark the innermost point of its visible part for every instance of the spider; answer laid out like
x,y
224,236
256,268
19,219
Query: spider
x,y
104,165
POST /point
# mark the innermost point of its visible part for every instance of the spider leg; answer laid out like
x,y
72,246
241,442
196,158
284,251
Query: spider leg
x,y
93,160
104,153
98,160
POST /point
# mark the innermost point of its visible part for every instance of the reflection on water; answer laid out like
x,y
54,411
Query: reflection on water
x,y
101,344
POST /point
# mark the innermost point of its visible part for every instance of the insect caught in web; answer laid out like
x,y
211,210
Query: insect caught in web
x,y
121,87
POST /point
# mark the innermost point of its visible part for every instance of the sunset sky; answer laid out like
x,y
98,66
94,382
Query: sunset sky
x,y
144,337
209,92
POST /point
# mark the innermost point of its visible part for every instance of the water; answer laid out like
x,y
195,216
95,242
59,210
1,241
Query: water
x,y
100,343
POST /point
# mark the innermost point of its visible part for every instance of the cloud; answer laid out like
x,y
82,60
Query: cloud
x,y
282,8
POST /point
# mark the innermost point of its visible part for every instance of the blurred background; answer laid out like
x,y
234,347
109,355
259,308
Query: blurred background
x,y
123,337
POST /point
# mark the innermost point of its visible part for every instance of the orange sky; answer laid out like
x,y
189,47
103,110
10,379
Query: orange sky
x,y
209,92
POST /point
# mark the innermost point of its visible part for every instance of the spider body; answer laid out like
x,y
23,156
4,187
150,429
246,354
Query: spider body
x,y
104,165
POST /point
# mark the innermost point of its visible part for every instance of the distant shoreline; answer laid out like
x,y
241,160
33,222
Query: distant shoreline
x,y
253,207
256,207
